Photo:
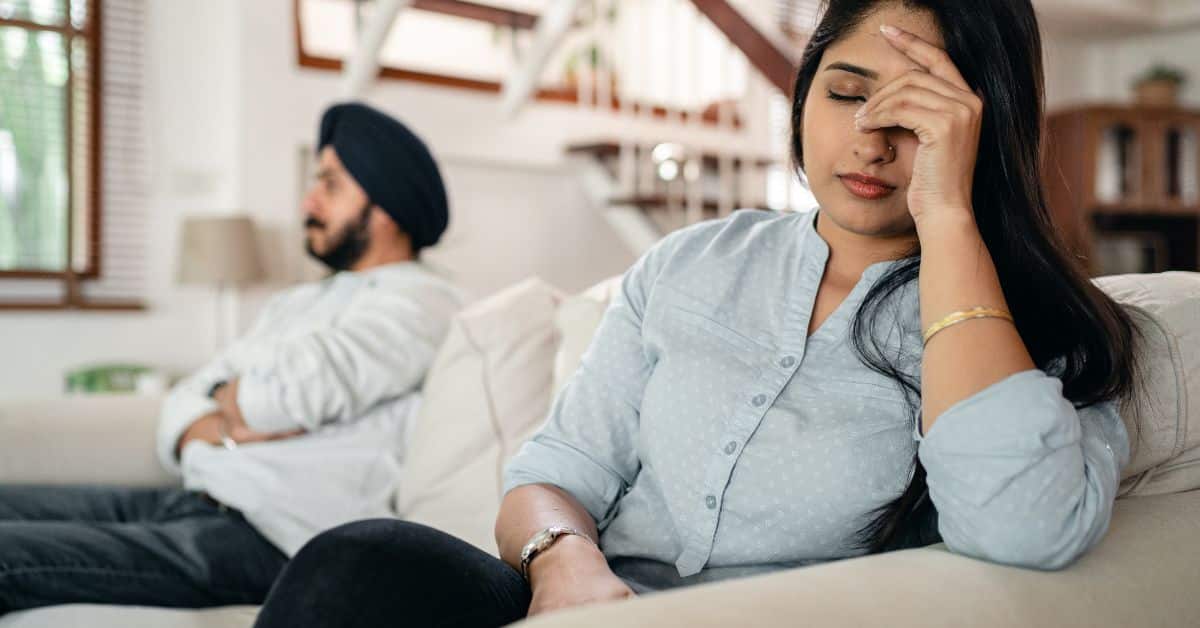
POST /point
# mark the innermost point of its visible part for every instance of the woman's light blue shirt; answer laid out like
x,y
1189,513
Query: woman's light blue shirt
x,y
711,436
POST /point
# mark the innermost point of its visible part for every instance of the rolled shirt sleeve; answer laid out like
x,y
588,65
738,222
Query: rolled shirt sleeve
x,y
1020,476
379,349
187,402
588,445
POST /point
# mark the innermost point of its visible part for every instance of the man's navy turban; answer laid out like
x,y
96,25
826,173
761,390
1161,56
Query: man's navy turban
x,y
392,165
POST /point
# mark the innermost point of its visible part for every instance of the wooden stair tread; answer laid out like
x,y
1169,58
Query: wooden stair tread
x,y
609,148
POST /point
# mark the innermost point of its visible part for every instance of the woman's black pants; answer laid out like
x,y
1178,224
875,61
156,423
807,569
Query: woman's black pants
x,y
387,572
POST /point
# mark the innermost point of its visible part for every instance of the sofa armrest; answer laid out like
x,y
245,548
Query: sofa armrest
x,y
1144,573
99,439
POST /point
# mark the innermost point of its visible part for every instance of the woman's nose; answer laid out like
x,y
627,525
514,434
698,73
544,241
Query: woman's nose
x,y
874,148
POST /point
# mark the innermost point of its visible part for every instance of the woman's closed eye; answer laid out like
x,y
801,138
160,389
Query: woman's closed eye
x,y
846,97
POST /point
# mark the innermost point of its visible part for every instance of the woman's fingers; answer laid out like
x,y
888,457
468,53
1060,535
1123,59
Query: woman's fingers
x,y
923,80
910,97
928,124
926,54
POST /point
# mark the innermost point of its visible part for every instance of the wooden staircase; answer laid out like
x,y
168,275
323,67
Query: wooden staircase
x,y
676,74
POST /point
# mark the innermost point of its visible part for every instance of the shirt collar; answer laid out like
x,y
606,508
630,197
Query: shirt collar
x,y
371,275
810,237
383,269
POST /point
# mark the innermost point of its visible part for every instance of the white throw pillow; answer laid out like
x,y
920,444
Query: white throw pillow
x,y
577,320
487,391
1164,420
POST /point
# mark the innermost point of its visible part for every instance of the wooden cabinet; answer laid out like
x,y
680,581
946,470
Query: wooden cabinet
x,y
1124,173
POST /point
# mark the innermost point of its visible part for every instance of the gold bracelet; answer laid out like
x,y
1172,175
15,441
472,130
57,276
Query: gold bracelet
x,y
964,315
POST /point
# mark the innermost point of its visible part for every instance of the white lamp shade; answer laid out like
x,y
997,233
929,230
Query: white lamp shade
x,y
219,250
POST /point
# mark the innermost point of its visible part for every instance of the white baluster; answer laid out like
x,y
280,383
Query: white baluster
x,y
693,171
603,38
677,93
725,166
585,74
647,182
623,44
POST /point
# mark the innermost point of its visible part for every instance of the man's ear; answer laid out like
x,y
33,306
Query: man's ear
x,y
379,221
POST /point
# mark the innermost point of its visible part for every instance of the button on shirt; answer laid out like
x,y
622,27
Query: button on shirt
x,y
710,436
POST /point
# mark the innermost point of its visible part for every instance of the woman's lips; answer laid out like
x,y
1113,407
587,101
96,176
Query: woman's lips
x,y
866,187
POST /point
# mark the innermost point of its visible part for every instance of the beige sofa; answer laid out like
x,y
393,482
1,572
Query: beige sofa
x,y
493,381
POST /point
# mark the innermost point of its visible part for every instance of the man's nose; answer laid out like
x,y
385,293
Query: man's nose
x,y
309,205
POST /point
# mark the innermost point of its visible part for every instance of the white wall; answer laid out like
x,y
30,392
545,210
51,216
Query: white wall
x,y
229,111
1065,63
1115,64
1103,70
516,210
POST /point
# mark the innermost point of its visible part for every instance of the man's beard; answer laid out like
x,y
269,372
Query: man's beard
x,y
347,246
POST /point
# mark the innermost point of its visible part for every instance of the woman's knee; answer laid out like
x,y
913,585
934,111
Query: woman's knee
x,y
386,568
372,546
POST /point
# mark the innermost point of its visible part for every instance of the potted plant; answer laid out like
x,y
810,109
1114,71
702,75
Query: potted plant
x,y
585,64
587,61
1159,86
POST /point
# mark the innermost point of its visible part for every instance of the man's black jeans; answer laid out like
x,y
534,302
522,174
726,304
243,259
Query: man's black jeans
x,y
154,547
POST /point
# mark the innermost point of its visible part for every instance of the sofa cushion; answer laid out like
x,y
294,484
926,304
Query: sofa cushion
x,y
76,439
576,321
106,616
487,391
1143,573
1163,419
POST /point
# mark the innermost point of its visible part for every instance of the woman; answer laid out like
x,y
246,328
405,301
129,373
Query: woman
x,y
916,360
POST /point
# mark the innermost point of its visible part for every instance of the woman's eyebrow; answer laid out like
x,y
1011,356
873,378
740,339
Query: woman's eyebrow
x,y
853,69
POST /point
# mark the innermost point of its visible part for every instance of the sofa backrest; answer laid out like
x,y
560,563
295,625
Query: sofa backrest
x,y
1163,417
488,389
506,357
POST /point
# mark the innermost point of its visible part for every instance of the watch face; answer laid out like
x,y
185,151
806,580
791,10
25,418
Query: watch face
x,y
536,544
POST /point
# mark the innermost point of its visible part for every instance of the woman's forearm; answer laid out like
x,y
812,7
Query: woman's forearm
x,y
957,273
526,510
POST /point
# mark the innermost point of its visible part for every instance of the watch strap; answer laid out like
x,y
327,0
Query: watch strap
x,y
541,541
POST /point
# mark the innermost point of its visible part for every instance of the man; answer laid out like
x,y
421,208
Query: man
x,y
296,428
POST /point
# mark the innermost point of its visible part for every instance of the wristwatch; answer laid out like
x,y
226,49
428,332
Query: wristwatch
x,y
212,390
226,440
542,541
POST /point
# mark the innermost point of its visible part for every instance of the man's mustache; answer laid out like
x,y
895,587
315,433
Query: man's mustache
x,y
313,222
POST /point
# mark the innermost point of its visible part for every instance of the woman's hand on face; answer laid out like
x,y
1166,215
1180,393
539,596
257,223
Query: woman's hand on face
x,y
938,106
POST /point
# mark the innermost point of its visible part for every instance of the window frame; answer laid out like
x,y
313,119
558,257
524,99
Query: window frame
x,y
91,32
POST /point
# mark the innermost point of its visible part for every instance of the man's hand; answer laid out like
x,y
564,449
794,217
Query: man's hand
x,y
226,397
205,429
572,572
228,419
235,424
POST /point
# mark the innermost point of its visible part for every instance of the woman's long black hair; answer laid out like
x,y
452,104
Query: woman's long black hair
x,y
1071,328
